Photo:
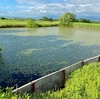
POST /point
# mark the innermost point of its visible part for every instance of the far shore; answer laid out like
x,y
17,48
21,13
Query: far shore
x,y
22,23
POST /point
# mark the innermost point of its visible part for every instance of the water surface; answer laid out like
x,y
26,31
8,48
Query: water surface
x,y
31,53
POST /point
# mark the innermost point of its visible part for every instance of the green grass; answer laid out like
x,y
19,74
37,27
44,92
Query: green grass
x,y
83,83
87,25
22,23
8,94
12,23
48,23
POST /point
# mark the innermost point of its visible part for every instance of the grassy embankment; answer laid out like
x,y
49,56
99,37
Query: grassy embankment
x,y
12,23
22,23
87,25
83,83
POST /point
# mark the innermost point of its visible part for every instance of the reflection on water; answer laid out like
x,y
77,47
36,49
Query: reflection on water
x,y
85,36
31,53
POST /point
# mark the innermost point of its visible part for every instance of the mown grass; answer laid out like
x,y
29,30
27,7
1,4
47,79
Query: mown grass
x,y
83,83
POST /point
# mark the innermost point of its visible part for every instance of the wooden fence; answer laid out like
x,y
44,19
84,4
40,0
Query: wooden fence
x,y
54,80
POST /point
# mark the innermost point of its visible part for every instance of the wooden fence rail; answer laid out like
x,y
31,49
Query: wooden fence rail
x,y
54,80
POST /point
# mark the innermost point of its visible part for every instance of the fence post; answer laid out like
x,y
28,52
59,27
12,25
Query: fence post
x,y
33,87
99,59
82,63
64,77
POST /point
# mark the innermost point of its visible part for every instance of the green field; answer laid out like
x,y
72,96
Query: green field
x,y
22,23
12,23
87,25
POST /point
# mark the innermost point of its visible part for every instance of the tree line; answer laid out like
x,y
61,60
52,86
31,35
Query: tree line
x,y
65,20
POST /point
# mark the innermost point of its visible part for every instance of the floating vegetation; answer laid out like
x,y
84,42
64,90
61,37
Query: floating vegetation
x,y
0,48
40,51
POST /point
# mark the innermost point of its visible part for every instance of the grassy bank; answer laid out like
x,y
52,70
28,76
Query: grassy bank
x,y
22,23
83,83
87,25
12,23
48,23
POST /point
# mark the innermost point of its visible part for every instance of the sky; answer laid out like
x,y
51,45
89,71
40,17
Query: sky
x,y
89,9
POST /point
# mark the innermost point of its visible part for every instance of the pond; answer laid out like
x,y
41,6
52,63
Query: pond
x,y
31,53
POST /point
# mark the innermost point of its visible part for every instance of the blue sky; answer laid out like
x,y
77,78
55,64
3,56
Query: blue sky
x,y
50,8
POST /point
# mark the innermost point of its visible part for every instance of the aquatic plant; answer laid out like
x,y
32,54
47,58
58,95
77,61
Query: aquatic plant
x,y
83,83
8,94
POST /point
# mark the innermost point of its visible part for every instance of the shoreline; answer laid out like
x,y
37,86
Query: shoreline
x,y
53,24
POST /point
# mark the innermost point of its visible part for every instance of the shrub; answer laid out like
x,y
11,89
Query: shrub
x,y
32,24
8,94
83,83
67,19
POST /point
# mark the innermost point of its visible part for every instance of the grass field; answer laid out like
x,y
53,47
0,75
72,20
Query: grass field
x,y
22,23
48,23
87,25
12,23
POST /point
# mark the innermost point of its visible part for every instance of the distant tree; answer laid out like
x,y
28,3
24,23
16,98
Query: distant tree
x,y
44,18
50,19
3,18
67,19
30,19
84,20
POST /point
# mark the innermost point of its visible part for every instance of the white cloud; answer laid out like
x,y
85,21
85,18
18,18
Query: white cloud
x,y
39,8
